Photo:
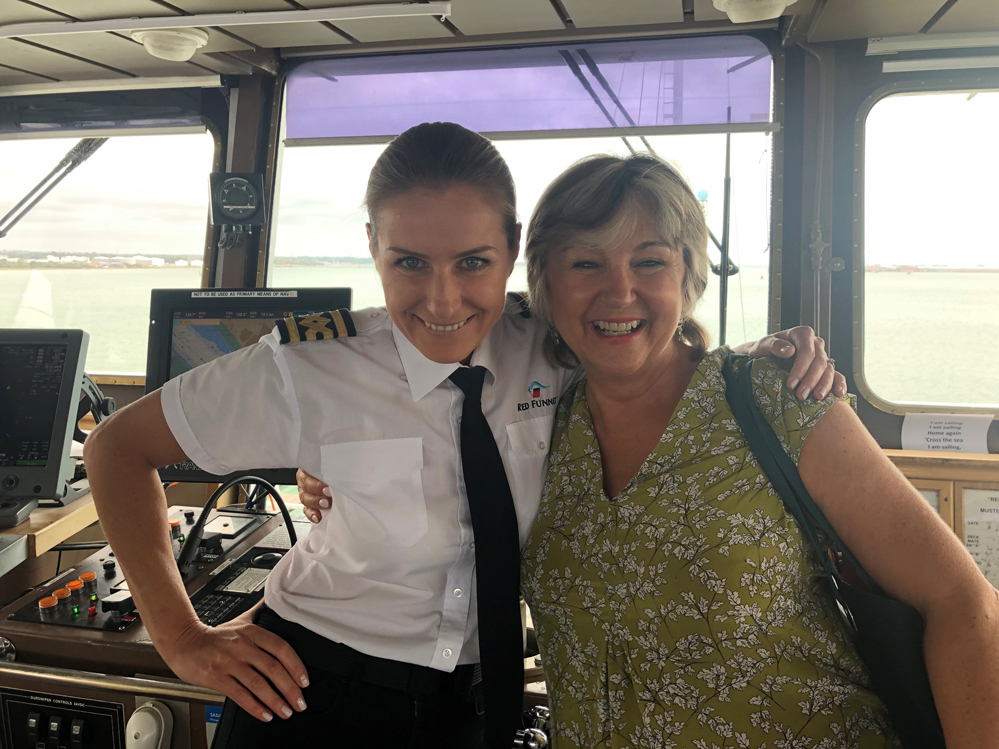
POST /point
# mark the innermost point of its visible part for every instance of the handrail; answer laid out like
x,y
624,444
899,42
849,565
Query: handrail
x,y
133,685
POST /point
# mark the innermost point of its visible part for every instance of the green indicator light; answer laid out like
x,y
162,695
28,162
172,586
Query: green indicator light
x,y
76,610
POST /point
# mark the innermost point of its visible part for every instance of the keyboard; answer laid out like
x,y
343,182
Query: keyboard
x,y
214,609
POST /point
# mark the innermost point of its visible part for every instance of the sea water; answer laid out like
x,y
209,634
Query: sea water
x,y
928,336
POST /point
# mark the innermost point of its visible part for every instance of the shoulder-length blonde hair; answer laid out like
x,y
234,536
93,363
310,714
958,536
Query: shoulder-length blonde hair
x,y
600,195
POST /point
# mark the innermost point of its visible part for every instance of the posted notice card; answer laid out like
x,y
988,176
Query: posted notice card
x,y
961,433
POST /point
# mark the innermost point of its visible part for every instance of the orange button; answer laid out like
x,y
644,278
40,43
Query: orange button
x,y
88,577
75,585
61,594
175,523
47,602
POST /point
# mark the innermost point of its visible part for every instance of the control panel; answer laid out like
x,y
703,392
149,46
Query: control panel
x,y
96,595
33,720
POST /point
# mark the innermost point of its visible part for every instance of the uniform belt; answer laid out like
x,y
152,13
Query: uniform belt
x,y
315,650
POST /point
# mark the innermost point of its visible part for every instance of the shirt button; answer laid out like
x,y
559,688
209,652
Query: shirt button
x,y
542,445
374,315
457,592
471,545
446,652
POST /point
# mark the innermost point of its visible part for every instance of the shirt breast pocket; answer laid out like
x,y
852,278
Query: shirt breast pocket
x,y
378,488
528,458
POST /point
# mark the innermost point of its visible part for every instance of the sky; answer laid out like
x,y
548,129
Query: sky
x,y
931,163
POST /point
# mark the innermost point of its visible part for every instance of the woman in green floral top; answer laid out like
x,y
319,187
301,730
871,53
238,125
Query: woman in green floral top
x,y
675,602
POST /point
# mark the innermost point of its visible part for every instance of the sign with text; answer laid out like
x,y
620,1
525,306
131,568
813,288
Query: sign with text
x,y
981,530
961,433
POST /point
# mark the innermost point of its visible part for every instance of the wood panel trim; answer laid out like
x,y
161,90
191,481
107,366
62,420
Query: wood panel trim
x,y
945,493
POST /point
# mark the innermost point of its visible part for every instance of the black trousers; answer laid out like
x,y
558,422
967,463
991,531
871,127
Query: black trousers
x,y
359,701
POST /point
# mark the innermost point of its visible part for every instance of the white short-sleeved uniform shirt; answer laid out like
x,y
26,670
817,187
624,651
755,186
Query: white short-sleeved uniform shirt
x,y
390,569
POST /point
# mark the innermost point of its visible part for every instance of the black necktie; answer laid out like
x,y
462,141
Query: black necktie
x,y
497,565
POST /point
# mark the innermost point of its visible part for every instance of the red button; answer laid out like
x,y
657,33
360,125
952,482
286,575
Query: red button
x,y
92,611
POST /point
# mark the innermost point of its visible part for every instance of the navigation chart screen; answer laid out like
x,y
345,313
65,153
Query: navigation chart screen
x,y
30,381
200,337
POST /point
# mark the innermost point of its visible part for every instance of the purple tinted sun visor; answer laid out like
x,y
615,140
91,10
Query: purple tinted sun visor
x,y
648,86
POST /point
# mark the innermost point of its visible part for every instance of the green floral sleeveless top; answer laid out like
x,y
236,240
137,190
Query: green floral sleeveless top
x,y
686,612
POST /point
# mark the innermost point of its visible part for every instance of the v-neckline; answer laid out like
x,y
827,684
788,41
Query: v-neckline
x,y
630,487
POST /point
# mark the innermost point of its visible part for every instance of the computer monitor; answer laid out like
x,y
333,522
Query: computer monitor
x,y
41,373
191,327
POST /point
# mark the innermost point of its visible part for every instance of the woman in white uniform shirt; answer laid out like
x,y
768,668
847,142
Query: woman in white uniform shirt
x,y
379,600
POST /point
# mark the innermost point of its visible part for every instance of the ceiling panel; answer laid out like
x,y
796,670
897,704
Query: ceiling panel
x,y
221,63
704,10
393,29
969,15
383,29
11,77
53,64
591,13
231,6
116,52
222,42
14,11
862,19
509,16
288,34
95,10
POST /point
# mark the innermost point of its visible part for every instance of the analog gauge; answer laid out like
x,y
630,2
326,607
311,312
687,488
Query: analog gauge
x,y
238,199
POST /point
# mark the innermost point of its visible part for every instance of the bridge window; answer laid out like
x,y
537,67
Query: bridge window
x,y
931,277
321,241
129,219
544,107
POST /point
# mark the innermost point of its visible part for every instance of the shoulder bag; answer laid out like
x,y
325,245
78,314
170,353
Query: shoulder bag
x,y
887,633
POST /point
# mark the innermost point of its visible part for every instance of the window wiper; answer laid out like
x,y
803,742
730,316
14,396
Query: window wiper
x,y
76,156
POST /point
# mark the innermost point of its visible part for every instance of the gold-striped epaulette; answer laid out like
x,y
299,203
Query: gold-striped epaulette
x,y
317,327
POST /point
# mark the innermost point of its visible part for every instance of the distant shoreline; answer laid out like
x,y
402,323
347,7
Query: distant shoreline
x,y
315,262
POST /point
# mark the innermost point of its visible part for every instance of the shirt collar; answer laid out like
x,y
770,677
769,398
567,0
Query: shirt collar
x,y
424,375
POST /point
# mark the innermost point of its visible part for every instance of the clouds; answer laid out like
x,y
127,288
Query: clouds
x,y
322,187
145,194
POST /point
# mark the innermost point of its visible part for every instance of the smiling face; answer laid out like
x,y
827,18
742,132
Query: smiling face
x,y
444,259
616,298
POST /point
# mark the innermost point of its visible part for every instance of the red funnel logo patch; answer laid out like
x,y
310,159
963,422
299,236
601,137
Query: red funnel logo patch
x,y
535,389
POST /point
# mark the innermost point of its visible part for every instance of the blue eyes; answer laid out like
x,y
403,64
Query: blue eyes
x,y
411,263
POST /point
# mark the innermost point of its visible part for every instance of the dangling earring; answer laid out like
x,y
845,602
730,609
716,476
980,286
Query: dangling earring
x,y
679,330
554,334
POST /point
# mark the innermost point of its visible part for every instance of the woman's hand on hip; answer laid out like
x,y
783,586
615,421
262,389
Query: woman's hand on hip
x,y
255,668
813,372
315,495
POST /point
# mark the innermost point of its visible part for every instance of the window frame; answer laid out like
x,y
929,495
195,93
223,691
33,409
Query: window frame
x,y
129,379
276,146
978,83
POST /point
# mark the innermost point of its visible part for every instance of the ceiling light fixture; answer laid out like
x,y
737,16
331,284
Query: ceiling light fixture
x,y
178,45
749,11
939,63
889,45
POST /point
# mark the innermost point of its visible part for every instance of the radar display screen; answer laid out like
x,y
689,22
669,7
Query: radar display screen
x,y
30,380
